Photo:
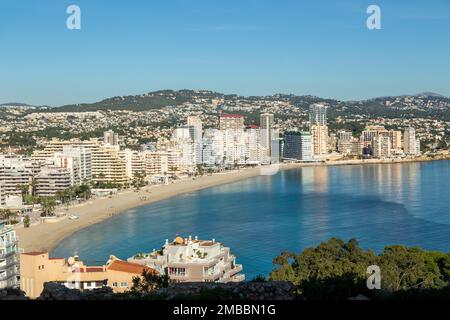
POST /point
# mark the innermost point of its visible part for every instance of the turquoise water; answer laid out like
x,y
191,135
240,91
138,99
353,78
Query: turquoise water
x,y
261,217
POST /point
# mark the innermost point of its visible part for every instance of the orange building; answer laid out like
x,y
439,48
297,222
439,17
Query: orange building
x,y
36,268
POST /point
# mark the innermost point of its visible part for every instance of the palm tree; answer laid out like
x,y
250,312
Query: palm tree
x,y
84,190
24,190
138,180
33,186
6,214
48,206
61,195
26,221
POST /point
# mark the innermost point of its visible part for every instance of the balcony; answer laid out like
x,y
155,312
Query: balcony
x,y
178,277
7,254
5,244
233,273
212,277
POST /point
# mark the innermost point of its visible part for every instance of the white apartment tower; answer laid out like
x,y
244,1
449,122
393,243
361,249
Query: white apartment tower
x,y
267,132
318,114
213,147
411,145
381,146
9,258
111,138
196,124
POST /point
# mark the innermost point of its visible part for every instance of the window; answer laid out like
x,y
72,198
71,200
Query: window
x,y
124,284
177,271
114,284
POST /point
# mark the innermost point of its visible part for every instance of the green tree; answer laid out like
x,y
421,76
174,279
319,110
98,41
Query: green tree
x,y
26,221
24,190
138,180
48,206
149,281
6,215
337,270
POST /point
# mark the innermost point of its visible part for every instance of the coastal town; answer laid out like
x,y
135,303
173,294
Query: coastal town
x,y
52,185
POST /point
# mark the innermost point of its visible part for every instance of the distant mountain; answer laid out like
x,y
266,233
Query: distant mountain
x,y
171,98
15,104
430,94
146,101
425,94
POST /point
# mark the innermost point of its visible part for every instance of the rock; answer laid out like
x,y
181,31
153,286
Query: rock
x,y
359,297
208,291
12,294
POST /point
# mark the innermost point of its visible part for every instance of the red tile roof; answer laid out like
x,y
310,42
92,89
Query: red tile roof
x,y
94,269
34,253
228,115
119,265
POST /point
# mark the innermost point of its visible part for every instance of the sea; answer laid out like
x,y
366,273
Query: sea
x,y
261,217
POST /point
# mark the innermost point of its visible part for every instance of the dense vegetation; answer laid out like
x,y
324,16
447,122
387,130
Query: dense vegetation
x,y
152,100
337,270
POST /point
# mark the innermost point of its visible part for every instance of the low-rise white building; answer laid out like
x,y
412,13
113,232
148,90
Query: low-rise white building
x,y
193,260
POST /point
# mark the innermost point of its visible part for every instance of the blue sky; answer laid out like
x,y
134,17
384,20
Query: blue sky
x,y
247,47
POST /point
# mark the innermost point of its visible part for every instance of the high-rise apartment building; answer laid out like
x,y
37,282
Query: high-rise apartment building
x,y
396,139
196,123
298,146
381,146
9,258
161,163
411,145
183,141
318,114
108,165
213,147
267,132
14,172
231,121
85,161
319,139
52,179
345,139
134,162
110,137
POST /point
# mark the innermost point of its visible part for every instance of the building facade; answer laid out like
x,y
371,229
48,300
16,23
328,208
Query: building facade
x,y
411,145
231,121
318,114
9,258
193,260
37,269
298,146
319,135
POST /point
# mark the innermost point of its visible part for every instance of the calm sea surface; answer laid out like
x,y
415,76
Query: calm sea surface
x,y
261,217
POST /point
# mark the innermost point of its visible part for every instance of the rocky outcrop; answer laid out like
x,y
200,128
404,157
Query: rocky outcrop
x,y
56,291
273,290
12,294
204,290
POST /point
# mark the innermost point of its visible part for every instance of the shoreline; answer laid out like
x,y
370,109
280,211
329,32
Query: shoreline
x,y
46,236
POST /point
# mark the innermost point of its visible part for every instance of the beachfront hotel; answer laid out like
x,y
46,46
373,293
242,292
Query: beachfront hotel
x,y
193,260
9,260
37,268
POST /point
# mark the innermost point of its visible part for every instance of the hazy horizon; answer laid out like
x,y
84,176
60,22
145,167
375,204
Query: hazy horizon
x,y
218,91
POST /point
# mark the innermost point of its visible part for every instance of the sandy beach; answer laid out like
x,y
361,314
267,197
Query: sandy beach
x,y
45,236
